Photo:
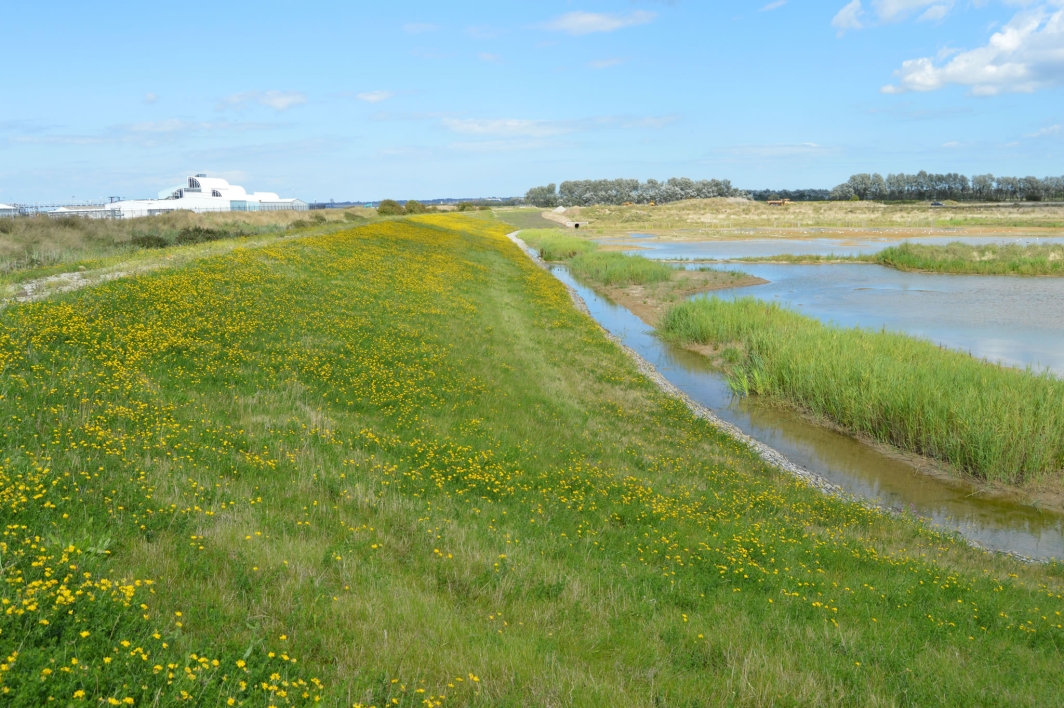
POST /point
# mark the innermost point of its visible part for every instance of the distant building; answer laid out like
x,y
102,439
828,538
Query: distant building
x,y
199,194
6,210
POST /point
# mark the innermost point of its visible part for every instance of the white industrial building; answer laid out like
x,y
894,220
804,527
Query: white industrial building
x,y
7,210
199,194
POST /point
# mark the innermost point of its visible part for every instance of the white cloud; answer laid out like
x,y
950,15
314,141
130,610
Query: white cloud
x,y
277,100
896,10
1051,130
419,27
579,23
374,96
854,17
150,98
490,58
773,5
604,63
934,13
654,122
1023,56
507,127
849,17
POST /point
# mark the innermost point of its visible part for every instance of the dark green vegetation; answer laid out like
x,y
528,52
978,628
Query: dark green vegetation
x,y
394,464
925,186
985,420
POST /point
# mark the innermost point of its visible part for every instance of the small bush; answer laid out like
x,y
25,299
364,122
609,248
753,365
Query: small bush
x,y
351,216
300,224
149,241
198,234
390,207
466,206
319,218
415,207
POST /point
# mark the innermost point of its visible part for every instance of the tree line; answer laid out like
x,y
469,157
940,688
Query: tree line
x,y
619,191
924,185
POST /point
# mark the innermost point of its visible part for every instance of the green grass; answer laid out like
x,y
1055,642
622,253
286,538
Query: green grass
x,y
589,264
991,259
989,421
396,459
619,269
556,245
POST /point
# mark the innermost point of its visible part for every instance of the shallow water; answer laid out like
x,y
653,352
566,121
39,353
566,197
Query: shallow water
x,y
1005,319
1010,320
819,246
857,468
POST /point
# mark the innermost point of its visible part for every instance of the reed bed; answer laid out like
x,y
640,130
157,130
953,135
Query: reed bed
x,y
612,269
991,422
958,257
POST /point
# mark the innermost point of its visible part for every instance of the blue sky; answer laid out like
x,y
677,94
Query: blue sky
x,y
420,100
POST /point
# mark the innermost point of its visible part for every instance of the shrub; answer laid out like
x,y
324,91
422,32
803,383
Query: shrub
x,y
198,234
319,218
351,216
390,207
415,207
300,224
149,241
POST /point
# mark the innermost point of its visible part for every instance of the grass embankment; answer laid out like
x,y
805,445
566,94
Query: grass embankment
x,y
41,246
956,257
985,420
394,465
697,217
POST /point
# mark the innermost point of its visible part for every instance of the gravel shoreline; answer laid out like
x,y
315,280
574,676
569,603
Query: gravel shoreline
x,y
763,451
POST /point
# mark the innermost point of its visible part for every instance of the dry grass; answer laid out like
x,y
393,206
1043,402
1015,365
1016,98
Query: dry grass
x,y
31,243
704,216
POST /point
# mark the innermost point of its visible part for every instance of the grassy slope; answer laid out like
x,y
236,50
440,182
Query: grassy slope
x,y
989,421
400,456
35,247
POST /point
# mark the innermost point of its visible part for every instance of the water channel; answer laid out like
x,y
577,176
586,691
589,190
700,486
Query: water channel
x,y
993,522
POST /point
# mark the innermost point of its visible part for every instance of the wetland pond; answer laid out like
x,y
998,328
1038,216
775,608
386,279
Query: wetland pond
x,y
1010,320
992,521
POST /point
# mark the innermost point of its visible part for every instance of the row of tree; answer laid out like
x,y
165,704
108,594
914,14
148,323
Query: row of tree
x,y
924,186
619,191
795,195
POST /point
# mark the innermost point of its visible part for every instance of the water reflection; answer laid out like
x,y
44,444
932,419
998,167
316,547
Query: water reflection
x,y
855,467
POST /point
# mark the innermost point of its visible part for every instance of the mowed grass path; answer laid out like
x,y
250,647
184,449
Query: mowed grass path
x,y
395,466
